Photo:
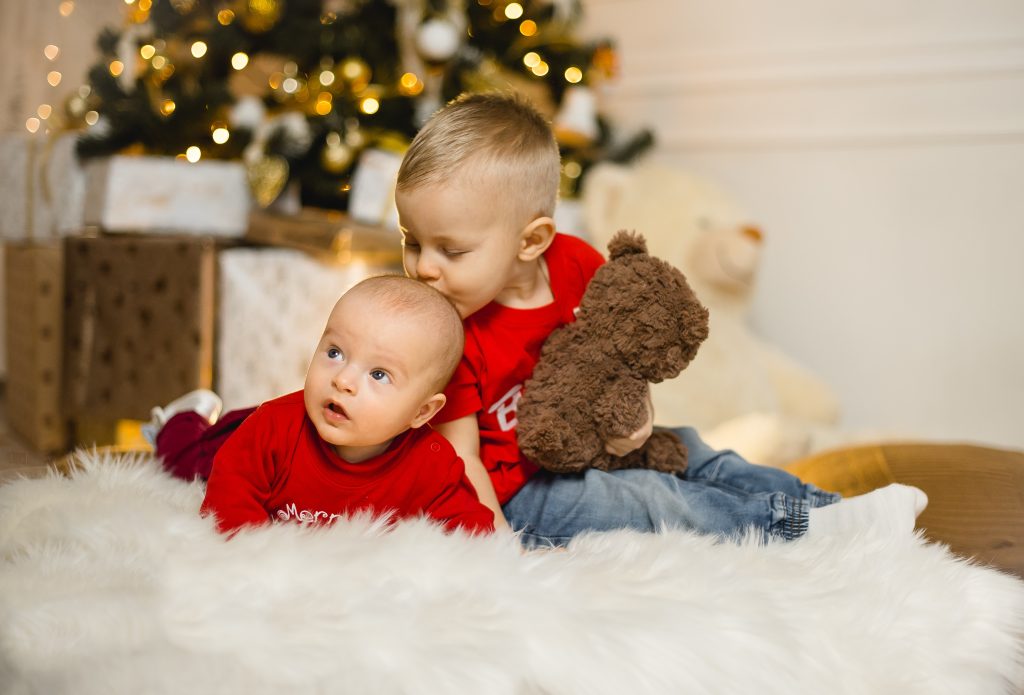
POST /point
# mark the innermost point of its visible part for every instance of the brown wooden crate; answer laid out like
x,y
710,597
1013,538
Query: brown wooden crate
x,y
34,297
139,322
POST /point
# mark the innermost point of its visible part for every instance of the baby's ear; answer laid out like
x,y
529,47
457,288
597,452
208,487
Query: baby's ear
x,y
535,238
428,410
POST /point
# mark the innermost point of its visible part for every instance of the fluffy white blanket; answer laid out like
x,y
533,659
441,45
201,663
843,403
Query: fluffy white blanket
x,y
111,584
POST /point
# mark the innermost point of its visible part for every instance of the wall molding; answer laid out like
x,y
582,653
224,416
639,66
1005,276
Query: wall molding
x,y
696,141
834,67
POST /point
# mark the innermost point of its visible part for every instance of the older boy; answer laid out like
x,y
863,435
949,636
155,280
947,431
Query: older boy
x,y
355,439
476,194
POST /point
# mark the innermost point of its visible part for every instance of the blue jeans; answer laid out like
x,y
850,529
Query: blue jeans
x,y
720,493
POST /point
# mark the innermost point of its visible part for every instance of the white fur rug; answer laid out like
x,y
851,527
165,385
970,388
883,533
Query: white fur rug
x,y
110,583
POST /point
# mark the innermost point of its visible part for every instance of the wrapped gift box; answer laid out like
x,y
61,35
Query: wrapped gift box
x,y
272,307
42,186
139,322
331,235
165,194
34,309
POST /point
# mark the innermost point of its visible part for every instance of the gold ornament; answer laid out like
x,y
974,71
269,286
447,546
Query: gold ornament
x,y
353,72
258,16
267,178
336,156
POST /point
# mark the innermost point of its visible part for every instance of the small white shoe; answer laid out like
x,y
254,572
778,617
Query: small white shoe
x,y
202,401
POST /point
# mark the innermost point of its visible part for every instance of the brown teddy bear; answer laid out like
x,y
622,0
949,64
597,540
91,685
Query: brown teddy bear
x,y
638,322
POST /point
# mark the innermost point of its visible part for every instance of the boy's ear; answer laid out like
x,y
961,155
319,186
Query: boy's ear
x,y
428,410
535,238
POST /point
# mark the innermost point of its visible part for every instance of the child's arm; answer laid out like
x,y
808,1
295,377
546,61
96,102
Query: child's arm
x,y
239,483
464,435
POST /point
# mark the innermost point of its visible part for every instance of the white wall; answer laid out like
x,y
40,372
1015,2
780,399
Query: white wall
x,y
881,145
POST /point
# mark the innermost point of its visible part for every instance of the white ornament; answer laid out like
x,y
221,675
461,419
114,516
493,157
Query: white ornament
x,y
437,40
249,112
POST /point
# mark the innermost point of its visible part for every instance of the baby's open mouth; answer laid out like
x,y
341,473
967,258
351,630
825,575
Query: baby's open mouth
x,y
335,412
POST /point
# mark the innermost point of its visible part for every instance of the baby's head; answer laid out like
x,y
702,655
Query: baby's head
x,y
390,345
475,188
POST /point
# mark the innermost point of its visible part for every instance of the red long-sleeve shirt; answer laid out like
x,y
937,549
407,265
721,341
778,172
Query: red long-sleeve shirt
x,y
276,467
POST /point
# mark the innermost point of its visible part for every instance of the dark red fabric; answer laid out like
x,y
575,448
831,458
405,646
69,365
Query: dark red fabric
x,y
276,467
188,442
502,347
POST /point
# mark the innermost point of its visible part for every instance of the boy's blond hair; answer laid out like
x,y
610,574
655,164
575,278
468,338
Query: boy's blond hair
x,y
490,139
411,300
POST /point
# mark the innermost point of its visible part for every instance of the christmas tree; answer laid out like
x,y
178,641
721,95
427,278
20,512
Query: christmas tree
x,y
299,88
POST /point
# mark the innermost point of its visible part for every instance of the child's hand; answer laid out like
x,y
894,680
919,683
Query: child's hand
x,y
623,445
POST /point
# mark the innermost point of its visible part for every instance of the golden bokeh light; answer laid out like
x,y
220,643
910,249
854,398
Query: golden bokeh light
x,y
32,124
53,78
573,74
239,60
369,105
193,154
513,10
147,51
531,59
116,67
51,52
528,28
199,49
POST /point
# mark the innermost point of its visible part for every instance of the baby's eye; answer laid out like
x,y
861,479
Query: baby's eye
x,y
380,375
334,353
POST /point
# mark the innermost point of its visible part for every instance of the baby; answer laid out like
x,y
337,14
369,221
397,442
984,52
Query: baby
x,y
355,439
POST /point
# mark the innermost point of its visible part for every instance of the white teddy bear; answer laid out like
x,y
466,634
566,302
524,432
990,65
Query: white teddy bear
x,y
740,392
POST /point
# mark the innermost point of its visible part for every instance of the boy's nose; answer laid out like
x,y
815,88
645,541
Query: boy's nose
x,y
425,268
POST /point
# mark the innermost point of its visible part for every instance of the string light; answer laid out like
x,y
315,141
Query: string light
x,y
32,124
540,69
147,51
531,59
369,106
326,78
225,17
572,169
51,52
324,103
528,28
239,60
193,154
53,77
573,75
66,8
410,84
199,49
92,117
44,111
220,135
513,10
290,85
159,62
167,107
116,67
